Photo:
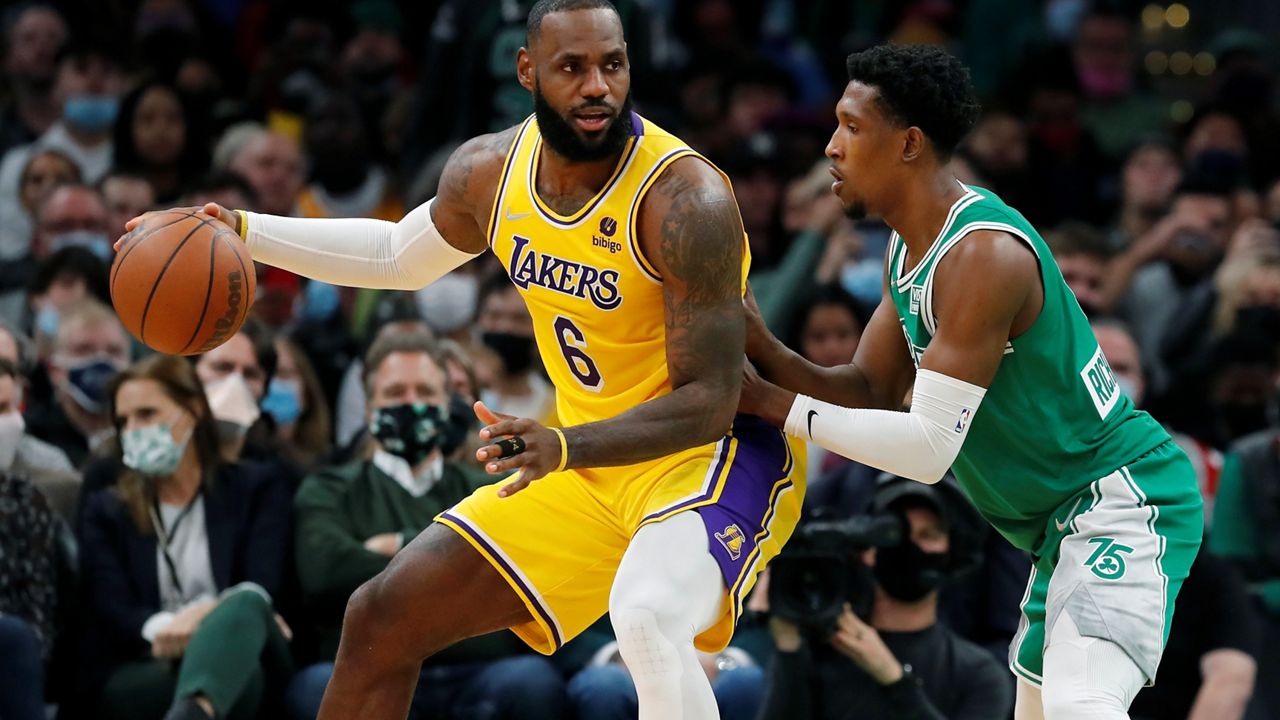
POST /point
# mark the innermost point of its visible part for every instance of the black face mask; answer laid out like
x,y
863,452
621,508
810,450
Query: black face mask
x,y
516,351
411,431
461,421
908,573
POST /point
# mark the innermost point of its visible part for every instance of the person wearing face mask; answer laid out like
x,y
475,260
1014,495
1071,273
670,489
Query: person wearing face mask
x,y
297,407
353,518
89,348
72,215
513,383
1105,55
87,86
236,376
183,558
44,465
898,662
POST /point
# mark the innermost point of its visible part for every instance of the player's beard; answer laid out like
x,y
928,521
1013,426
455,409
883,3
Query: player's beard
x,y
856,210
564,139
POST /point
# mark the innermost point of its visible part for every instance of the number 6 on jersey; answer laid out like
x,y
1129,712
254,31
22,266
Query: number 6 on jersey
x,y
572,342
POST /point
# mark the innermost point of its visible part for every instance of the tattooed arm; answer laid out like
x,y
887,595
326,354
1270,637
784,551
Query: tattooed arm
x,y
690,230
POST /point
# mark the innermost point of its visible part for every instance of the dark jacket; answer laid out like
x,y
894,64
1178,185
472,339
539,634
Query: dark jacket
x,y
247,518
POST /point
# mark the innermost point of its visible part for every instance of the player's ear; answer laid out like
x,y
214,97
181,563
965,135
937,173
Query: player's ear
x,y
912,144
524,69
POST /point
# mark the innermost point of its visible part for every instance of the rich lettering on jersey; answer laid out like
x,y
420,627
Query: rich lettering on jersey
x,y
1101,383
529,267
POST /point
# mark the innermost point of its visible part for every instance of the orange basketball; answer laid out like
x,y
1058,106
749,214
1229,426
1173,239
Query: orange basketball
x,y
182,282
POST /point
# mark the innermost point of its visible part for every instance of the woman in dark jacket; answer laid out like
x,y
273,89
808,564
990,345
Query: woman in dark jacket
x,y
181,559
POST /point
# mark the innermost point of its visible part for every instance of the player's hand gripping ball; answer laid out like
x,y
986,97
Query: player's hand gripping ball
x,y
516,444
182,281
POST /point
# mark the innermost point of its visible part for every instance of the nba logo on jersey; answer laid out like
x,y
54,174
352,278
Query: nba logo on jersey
x,y
916,292
732,541
1101,384
965,414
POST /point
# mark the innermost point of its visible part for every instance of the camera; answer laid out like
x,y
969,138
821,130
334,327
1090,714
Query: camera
x,y
821,569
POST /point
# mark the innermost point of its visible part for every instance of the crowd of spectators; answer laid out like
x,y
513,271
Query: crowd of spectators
x,y
179,537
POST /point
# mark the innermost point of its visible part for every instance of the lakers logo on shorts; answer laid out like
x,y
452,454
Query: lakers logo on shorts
x,y
732,540
1106,562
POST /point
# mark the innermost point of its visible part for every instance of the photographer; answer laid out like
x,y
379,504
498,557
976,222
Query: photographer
x,y
896,661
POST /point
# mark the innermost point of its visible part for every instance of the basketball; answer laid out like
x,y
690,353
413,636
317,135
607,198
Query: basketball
x,y
182,282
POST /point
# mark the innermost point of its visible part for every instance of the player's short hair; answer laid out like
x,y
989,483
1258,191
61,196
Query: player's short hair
x,y
391,343
544,8
921,86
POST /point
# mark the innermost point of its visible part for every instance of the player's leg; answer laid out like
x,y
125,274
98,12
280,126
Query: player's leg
x,y
1087,678
667,590
1027,704
1111,597
436,591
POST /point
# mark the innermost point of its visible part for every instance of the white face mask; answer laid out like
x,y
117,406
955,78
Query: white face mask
x,y
450,302
11,428
232,401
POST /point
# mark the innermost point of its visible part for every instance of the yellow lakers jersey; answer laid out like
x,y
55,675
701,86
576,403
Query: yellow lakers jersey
x,y
596,301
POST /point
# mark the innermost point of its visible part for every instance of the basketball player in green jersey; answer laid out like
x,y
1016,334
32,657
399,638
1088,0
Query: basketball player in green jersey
x,y
1009,389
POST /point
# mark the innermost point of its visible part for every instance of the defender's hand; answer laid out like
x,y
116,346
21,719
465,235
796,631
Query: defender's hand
x,y
758,335
230,218
538,455
762,398
863,645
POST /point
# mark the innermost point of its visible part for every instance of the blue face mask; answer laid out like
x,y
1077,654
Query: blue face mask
x,y
87,383
90,113
283,401
47,321
95,242
319,301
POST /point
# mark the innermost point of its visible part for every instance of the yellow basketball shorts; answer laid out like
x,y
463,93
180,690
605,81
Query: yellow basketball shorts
x,y
558,542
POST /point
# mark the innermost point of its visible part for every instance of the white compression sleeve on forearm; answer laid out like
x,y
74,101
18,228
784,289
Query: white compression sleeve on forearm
x,y
359,252
920,444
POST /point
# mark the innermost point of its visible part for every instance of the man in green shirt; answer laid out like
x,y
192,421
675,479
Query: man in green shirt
x,y
352,519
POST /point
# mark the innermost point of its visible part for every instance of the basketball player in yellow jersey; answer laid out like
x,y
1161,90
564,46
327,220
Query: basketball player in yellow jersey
x,y
654,502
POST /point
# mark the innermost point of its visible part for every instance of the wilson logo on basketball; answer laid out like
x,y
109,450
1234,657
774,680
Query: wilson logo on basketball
x,y
227,324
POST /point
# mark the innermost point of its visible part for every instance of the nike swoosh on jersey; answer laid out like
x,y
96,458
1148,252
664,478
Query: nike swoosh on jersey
x,y
812,414
1061,525
517,216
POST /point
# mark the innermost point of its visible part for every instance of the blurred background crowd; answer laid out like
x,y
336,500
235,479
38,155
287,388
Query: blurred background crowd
x,y
266,480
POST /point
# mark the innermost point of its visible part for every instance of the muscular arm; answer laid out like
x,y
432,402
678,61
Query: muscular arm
x,y
428,242
975,320
878,377
690,229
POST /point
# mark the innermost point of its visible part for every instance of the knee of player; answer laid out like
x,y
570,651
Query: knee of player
x,y
639,623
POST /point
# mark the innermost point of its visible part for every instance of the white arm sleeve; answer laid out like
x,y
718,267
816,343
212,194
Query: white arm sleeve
x,y
359,252
920,445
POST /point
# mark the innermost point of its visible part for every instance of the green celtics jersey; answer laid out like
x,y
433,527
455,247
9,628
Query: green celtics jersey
x,y
1053,419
